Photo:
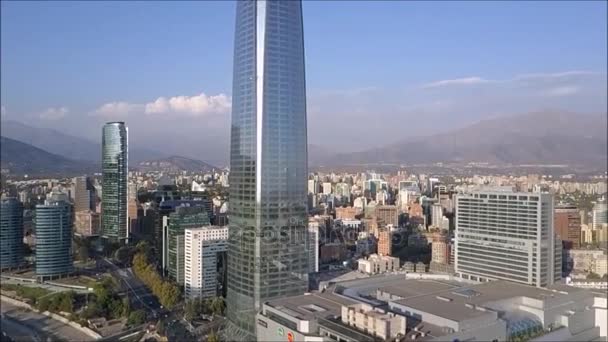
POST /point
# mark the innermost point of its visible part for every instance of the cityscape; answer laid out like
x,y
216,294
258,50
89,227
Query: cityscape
x,y
271,212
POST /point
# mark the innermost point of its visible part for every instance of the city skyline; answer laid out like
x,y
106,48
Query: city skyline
x,y
555,66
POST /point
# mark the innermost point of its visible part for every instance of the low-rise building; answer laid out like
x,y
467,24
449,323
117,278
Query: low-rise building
x,y
375,264
374,321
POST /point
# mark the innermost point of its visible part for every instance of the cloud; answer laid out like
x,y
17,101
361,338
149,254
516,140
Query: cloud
x,y
195,105
54,113
571,73
458,81
119,108
561,91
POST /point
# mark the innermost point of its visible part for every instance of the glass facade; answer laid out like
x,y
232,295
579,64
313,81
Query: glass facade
x,y
11,233
267,248
182,219
114,184
53,222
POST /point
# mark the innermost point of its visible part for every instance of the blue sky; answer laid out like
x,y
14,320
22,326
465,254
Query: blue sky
x,y
63,61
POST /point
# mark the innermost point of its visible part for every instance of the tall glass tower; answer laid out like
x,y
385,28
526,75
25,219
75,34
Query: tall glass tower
x,y
114,184
11,233
53,237
267,247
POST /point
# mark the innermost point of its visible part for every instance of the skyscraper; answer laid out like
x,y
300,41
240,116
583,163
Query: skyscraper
x,y
267,248
568,226
11,233
84,194
53,238
114,185
507,235
203,250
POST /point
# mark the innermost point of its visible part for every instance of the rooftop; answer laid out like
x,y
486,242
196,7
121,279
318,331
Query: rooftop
x,y
309,306
408,288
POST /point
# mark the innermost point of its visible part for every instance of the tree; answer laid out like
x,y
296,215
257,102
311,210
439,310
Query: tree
x,y
123,255
160,327
66,302
126,307
136,317
218,305
189,311
593,276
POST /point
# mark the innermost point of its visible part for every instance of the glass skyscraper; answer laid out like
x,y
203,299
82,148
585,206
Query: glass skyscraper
x,y
53,222
114,184
267,247
11,233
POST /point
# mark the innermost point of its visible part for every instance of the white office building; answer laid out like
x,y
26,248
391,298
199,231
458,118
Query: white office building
x,y
506,235
313,246
202,246
600,214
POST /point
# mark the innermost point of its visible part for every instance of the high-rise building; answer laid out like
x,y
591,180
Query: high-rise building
x,y
11,233
388,214
268,162
440,248
313,246
436,215
53,221
114,184
600,214
183,218
567,220
326,188
86,223
501,234
203,249
385,242
84,194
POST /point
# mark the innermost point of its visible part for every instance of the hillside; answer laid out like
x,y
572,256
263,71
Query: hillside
x,y
536,138
20,157
175,164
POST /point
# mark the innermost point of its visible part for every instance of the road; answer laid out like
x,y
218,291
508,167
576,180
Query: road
x,y
25,325
141,296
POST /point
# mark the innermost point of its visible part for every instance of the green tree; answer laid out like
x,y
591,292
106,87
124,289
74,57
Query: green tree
x,y
218,305
160,327
189,311
136,317
66,302
593,276
126,307
44,304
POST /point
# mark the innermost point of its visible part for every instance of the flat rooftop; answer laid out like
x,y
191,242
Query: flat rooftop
x,y
309,306
465,302
408,288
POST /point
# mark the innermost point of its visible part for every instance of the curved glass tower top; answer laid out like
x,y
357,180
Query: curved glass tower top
x,y
267,256
114,184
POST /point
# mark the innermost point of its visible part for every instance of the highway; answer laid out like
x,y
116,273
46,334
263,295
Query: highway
x,y
25,325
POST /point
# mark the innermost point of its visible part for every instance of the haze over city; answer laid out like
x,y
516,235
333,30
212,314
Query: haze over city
x,y
382,72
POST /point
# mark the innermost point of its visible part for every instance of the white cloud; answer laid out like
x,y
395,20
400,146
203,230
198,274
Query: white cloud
x,y
54,113
562,91
195,105
119,108
190,105
458,81
571,73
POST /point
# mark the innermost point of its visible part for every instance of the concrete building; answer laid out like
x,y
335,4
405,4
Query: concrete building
x,y
600,265
84,194
375,264
203,248
567,223
501,234
87,223
600,214
313,246
440,248
385,242
53,222
387,215
436,215
374,321
177,222
582,260
11,233
326,188
347,213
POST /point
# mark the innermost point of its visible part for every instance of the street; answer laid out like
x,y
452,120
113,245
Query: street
x,y
25,325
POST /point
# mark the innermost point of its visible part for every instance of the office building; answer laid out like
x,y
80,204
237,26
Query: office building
x,y
437,215
204,251
440,248
86,223
114,184
387,215
501,234
313,246
375,264
326,188
11,233
567,223
84,194
268,162
385,242
53,221
347,213
184,217
600,214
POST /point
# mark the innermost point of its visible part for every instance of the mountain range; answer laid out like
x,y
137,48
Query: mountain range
x,y
533,138
175,164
